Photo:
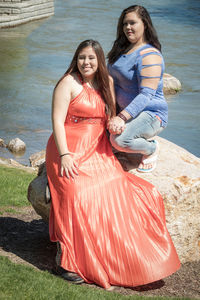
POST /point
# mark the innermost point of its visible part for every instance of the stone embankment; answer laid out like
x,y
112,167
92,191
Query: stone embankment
x,y
16,12
177,177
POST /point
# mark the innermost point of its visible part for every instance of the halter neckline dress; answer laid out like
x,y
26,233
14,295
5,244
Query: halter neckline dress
x,y
110,224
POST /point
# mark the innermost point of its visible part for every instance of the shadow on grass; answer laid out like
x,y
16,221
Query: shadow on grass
x,y
29,241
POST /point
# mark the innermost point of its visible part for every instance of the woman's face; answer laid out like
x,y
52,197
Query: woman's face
x,y
133,28
87,62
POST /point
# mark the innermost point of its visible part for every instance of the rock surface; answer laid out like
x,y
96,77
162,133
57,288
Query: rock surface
x,y
171,85
9,162
17,12
37,159
2,143
177,177
37,194
16,145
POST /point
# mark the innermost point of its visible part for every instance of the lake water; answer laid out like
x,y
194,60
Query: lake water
x,y
35,55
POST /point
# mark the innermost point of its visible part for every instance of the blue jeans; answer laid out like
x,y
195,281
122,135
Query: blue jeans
x,y
134,139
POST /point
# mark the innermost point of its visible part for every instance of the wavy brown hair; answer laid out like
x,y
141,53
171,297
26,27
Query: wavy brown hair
x,y
101,76
121,43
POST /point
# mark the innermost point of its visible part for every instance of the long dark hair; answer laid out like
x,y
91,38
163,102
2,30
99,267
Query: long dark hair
x,y
121,43
101,76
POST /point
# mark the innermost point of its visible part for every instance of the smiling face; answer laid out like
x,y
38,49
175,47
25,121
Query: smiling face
x,y
133,28
87,63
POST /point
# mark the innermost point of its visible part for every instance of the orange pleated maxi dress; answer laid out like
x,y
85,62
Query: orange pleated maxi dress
x,y
110,224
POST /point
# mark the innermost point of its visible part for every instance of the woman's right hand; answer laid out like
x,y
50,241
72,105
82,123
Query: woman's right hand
x,y
69,165
116,125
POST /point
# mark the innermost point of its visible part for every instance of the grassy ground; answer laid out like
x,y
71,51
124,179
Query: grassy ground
x,y
13,188
20,281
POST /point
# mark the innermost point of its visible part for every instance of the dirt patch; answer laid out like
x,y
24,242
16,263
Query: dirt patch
x,y
24,239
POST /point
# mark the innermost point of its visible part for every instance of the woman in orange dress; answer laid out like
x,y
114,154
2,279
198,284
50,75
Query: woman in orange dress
x,y
109,224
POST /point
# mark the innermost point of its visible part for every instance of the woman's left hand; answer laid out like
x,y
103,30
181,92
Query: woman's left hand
x,y
116,125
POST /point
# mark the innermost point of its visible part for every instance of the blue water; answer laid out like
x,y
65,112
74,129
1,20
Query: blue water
x,y
35,55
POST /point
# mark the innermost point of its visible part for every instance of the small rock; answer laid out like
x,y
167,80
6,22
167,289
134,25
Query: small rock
x,y
171,85
37,159
9,162
16,145
2,143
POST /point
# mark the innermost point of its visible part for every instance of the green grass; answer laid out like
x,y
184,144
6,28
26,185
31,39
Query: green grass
x,y
8,210
13,187
20,282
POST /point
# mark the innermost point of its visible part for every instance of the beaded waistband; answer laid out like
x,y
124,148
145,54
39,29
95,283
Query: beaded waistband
x,y
76,119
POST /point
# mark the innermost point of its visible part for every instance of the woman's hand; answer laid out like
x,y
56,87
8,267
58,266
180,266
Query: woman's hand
x,y
116,125
69,165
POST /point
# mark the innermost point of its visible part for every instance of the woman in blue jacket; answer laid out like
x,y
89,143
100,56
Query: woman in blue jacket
x,y
136,64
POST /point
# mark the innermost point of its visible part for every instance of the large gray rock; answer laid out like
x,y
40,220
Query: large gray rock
x,y
37,191
177,177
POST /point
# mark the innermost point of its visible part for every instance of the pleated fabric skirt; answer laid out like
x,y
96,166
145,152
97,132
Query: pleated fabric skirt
x,y
110,224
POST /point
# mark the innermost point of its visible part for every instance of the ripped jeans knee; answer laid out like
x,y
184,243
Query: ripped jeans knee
x,y
134,139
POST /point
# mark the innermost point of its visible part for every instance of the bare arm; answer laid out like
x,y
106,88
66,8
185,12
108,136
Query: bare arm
x,y
60,104
115,129
112,89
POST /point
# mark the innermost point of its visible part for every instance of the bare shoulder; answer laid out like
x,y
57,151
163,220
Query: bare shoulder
x,y
149,50
70,85
67,80
71,79
65,85
150,55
